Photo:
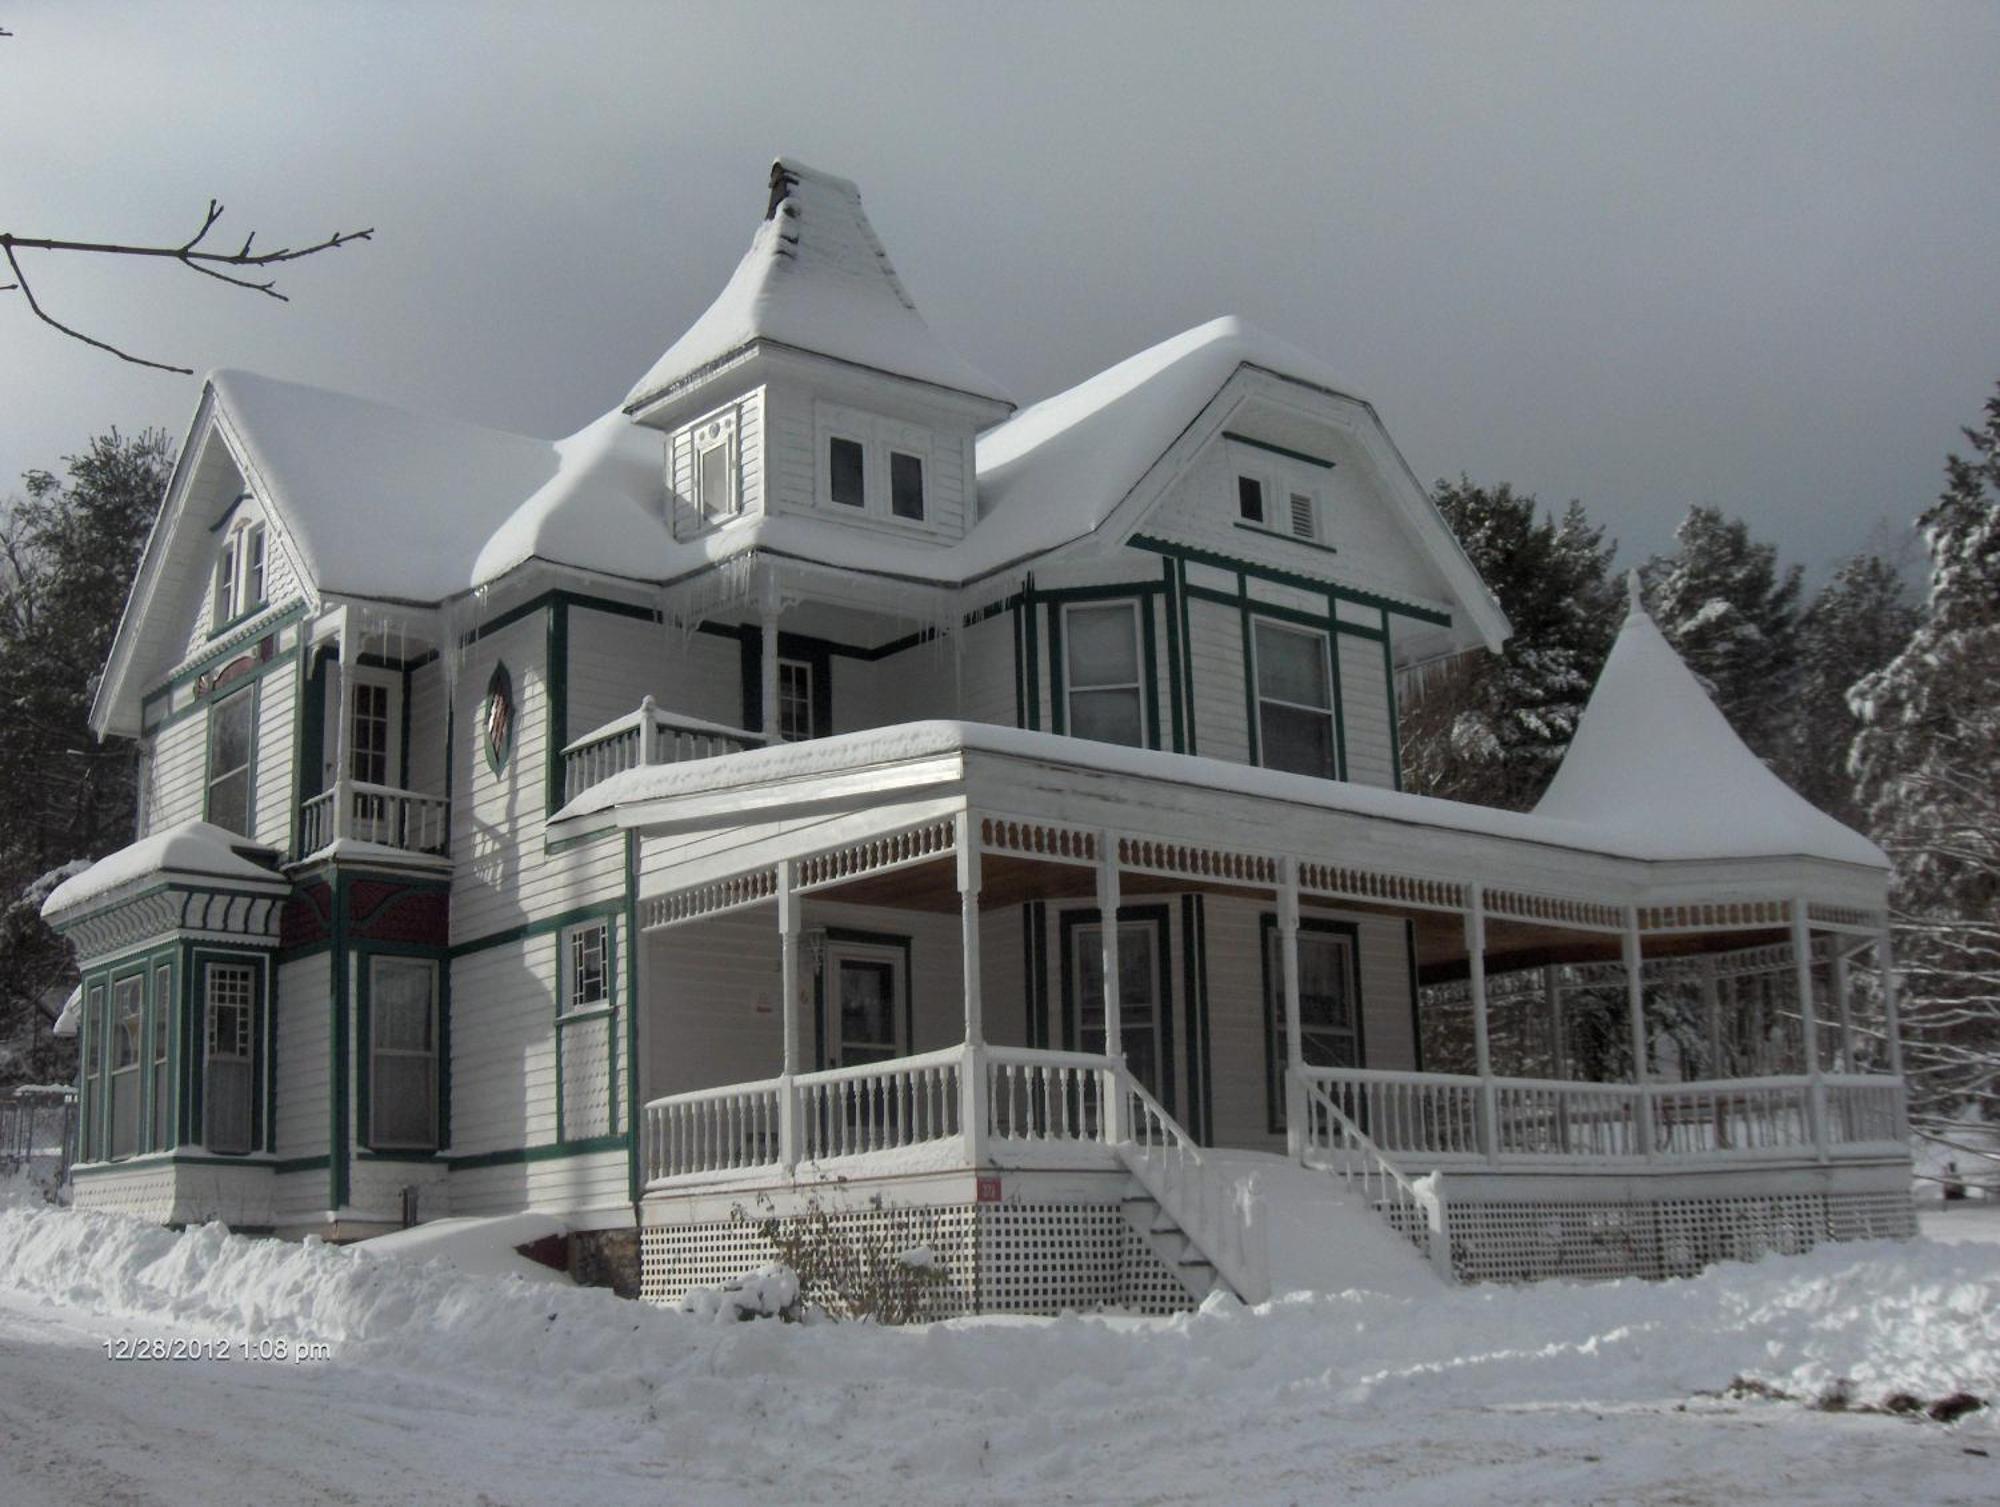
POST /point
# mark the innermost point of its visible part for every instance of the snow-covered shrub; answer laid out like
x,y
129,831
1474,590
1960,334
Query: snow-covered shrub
x,y
772,1291
849,1268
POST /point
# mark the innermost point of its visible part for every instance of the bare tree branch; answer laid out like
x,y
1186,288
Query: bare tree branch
x,y
188,253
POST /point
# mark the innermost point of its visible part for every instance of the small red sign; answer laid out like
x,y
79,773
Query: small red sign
x,y
988,1190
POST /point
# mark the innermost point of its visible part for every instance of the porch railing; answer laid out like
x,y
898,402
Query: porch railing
x,y
1434,1119
729,1129
883,1106
360,812
1038,1096
1334,1142
647,736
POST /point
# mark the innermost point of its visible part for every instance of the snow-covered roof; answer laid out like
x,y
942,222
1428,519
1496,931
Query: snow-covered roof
x,y
1615,835
817,279
382,502
1057,469
1656,767
193,851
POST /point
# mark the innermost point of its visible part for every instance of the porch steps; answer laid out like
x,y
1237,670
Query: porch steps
x,y
1172,1244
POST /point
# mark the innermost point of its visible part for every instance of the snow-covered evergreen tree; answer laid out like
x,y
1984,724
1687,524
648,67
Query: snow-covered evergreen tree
x,y
67,553
1733,615
1926,763
1491,729
1857,623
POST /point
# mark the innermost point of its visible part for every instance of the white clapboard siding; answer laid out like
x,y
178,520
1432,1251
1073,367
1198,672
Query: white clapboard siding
x,y
180,754
596,1182
304,1016
1364,708
299,1199
711,991
615,662
986,674
1239,1062
427,713
503,1047
276,773
1215,652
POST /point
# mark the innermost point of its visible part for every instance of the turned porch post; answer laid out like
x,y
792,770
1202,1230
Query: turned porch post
x,y
1711,1006
1288,953
788,1008
1809,1025
1842,1010
1635,1007
1552,1001
1482,1045
1892,1025
972,1109
1114,1033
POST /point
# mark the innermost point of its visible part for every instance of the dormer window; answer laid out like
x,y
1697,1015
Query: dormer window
x,y
239,575
874,466
906,485
715,468
846,472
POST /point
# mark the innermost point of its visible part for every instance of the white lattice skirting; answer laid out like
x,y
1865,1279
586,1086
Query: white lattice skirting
x,y
1528,1241
998,1258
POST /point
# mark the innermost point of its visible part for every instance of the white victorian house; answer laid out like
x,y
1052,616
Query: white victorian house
x,y
737,807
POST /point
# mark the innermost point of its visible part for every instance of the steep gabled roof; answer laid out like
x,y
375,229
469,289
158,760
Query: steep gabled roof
x,y
1656,765
382,502
816,279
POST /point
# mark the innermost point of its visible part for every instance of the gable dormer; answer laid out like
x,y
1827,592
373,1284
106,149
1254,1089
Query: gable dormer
x,y
813,386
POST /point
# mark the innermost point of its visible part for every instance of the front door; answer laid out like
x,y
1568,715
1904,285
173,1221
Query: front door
x,y
1140,992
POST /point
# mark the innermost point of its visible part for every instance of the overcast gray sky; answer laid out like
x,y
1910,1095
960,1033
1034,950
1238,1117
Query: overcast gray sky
x,y
1644,255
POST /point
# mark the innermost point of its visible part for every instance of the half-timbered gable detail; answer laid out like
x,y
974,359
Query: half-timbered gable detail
x,y
818,783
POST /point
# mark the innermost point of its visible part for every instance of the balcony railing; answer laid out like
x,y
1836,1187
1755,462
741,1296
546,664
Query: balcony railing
x,y
356,811
647,736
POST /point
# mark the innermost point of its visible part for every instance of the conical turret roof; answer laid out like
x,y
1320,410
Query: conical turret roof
x,y
1656,766
817,279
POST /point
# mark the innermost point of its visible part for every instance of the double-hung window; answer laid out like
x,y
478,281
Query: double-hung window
x,y
128,1010
1139,991
163,1089
93,1076
229,1074
239,575
402,1054
229,738
1101,649
1295,729
795,700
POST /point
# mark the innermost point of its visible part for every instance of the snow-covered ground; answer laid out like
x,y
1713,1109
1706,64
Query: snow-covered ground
x,y
449,1386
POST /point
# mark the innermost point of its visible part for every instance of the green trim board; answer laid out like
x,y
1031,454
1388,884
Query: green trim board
x,y
836,935
1187,649
1395,711
1283,612
337,1038
1175,673
1031,626
537,928
1292,540
221,654
1267,926
1314,584
555,678
1159,915
1265,445
201,704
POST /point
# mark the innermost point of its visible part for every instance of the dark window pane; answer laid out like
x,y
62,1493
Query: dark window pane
x,y
906,485
1107,717
1296,740
843,459
1292,666
1250,498
714,482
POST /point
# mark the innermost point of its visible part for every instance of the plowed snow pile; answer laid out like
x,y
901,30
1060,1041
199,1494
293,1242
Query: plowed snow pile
x,y
1921,1318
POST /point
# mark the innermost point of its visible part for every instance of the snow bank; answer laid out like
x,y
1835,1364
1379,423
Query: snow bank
x,y
483,1247
1918,1317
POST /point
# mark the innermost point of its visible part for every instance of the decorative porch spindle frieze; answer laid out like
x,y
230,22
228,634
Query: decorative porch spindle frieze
x,y
1034,839
877,855
1555,910
737,892
1337,883
1186,860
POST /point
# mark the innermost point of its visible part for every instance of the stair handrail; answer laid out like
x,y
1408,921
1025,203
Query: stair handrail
x,y
1217,1215
1391,1185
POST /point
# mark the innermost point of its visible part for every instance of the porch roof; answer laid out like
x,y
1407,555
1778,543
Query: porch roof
x,y
898,756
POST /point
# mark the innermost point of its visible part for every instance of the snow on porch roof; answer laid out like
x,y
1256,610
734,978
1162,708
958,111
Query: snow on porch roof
x,y
816,278
1657,767
194,850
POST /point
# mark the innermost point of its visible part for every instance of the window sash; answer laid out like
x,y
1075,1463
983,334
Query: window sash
x,y
1103,660
128,1006
1250,499
163,1094
846,472
230,733
224,608
402,1051
253,566
906,485
587,979
795,697
1295,723
712,481
369,763
868,992
229,992
1329,1007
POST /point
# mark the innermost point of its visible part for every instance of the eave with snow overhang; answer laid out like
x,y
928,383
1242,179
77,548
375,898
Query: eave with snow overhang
x,y
194,882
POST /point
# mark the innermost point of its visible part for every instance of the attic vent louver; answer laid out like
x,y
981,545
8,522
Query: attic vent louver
x,y
1302,516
